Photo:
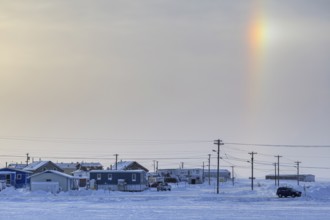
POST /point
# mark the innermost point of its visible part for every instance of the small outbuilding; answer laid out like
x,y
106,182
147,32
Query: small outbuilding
x,y
14,177
302,177
8,177
82,176
119,180
53,181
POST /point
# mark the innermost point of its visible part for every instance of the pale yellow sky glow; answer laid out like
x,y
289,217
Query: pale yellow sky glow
x,y
76,71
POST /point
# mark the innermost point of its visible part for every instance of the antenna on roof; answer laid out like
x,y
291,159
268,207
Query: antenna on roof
x,y
27,159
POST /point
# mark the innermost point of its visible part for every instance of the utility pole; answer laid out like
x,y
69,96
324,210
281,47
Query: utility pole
x,y
298,162
182,165
278,169
275,174
203,172
209,169
232,173
27,159
116,160
252,158
218,142
156,165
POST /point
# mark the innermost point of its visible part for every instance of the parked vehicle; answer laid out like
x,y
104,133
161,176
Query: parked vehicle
x,y
155,184
287,191
163,187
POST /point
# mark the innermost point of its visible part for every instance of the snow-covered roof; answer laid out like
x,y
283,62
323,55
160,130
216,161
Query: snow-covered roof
x,y
14,170
55,172
91,164
131,165
122,165
80,173
6,172
35,165
67,165
18,166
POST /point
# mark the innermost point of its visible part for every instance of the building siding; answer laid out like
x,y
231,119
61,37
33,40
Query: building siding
x,y
138,183
64,182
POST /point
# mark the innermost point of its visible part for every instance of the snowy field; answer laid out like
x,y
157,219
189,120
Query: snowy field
x,y
183,202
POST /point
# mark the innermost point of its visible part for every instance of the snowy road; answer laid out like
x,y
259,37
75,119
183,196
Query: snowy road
x,y
183,202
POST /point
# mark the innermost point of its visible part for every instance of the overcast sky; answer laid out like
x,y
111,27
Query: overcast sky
x,y
165,70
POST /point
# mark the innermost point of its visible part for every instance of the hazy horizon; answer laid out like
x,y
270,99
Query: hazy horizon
x,y
163,79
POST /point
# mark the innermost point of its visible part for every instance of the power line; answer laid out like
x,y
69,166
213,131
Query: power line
x,y
280,145
102,140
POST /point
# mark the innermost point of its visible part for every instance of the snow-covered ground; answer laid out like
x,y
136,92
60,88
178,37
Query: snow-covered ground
x,y
183,202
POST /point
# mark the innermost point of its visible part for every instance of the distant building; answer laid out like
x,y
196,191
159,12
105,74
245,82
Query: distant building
x,y
224,174
193,176
68,168
302,177
85,166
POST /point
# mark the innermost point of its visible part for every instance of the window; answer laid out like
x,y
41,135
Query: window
x,y
98,176
19,176
48,180
133,177
109,176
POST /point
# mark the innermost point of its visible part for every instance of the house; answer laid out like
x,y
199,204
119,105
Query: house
x,y
14,177
121,180
128,165
302,177
89,166
68,168
40,166
52,181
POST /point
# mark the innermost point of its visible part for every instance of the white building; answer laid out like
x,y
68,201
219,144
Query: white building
x,y
189,175
53,181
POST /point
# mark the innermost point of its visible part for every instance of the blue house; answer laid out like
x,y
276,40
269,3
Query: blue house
x,y
121,180
14,177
